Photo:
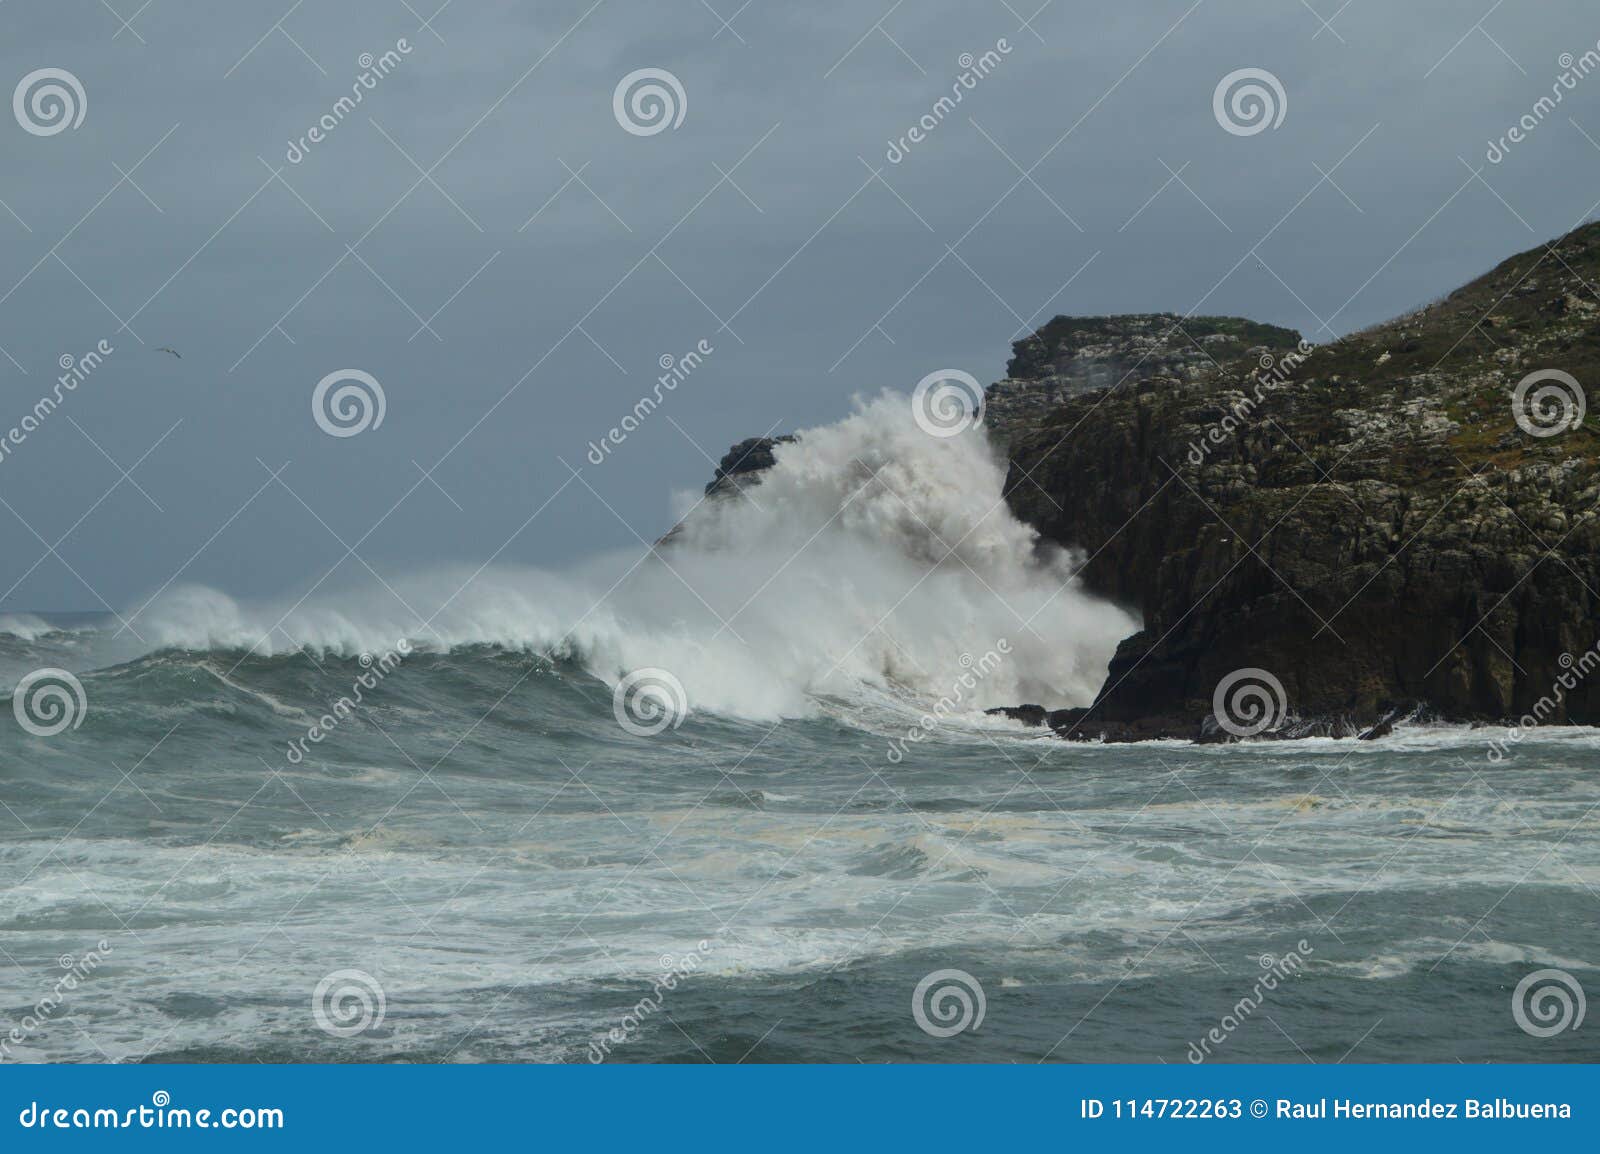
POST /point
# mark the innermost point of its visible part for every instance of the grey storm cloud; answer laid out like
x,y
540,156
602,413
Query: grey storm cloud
x,y
482,237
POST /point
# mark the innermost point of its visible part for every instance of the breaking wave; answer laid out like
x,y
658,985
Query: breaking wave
x,y
871,557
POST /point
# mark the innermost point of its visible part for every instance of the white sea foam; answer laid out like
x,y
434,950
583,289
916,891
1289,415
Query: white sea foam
x,y
24,626
872,555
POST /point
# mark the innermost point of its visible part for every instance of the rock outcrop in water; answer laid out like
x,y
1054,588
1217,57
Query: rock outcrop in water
x,y
740,467
743,464
1404,521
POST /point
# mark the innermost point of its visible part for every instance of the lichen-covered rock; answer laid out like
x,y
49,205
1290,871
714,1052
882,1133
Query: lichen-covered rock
x,y
1073,355
1372,525
1366,521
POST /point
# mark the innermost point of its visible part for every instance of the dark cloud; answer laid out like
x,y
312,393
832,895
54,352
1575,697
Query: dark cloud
x,y
555,258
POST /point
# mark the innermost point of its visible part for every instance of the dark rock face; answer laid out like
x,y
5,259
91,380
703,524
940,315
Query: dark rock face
x,y
740,468
1370,525
1367,521
743,464
1073,355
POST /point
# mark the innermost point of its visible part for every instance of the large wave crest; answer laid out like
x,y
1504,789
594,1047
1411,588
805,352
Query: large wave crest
x,y
872,556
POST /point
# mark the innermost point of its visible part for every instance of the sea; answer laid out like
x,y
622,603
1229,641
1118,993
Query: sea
x,y
734,797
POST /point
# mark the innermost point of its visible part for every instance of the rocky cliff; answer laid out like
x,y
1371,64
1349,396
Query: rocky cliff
x,y
1075,355
1391,523
1405,521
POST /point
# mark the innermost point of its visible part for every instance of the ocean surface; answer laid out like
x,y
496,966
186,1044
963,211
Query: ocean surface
x,y
516,884
739,802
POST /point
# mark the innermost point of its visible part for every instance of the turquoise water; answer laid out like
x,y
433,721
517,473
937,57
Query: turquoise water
x,y
517,884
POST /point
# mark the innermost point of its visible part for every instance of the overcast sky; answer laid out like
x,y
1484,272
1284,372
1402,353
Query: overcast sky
x,y
556,257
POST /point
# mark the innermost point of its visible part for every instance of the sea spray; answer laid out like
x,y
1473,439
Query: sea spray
x,y
953,702
871,557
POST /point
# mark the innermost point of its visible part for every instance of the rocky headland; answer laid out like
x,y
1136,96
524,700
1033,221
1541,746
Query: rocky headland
x,y
1402,522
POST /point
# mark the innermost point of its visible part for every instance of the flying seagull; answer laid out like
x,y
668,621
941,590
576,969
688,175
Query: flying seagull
x,y
174,352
